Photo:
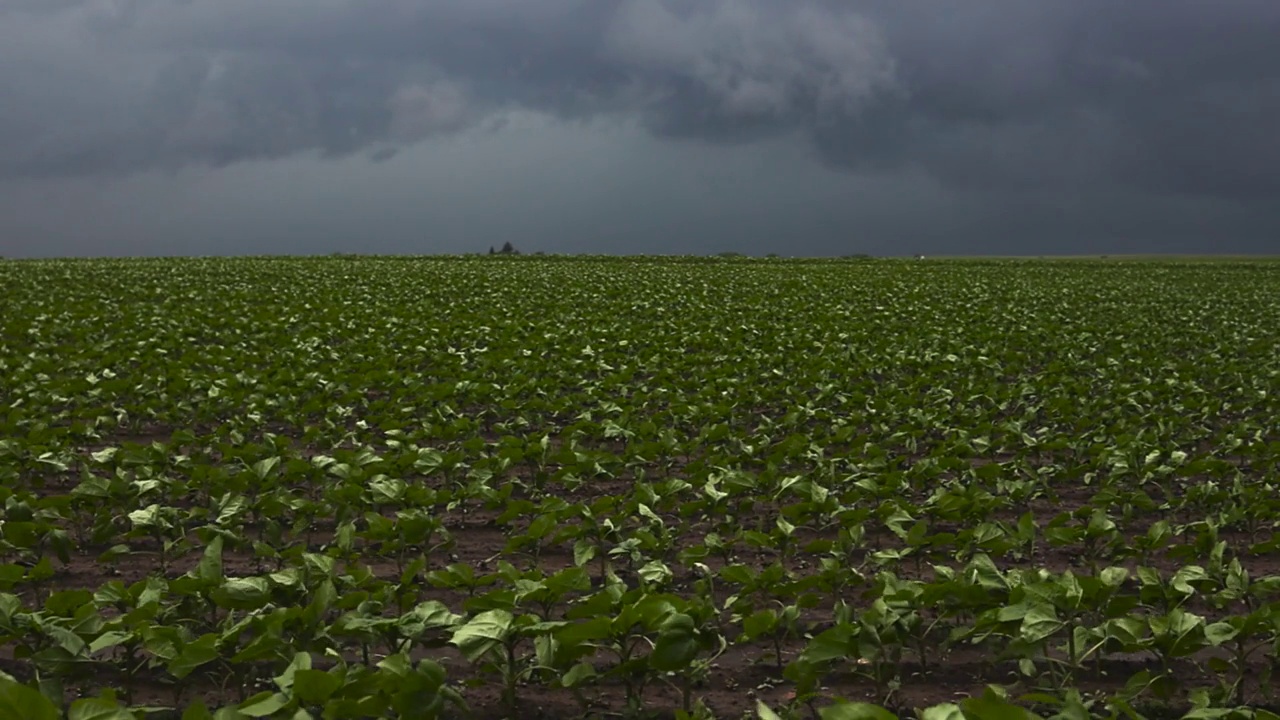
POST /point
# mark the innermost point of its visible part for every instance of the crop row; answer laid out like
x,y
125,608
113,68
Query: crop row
x,y
433,487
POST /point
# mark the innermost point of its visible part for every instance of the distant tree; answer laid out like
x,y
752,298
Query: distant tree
x,y
508,249
491,250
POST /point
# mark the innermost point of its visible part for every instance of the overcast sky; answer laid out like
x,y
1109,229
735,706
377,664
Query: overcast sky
x,y
806,127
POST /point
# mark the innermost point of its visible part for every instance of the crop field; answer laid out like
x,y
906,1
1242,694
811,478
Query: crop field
x,y
523,487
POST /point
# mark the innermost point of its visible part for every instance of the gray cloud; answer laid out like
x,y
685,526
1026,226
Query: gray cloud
x,y
1172,97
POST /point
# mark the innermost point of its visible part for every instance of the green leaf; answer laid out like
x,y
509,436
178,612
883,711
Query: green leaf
x,y
67,640
1113,577
758,624
655,571
1208,713
482,633
578,674
301,661
20,701
671,654
764,712
1040,623
197,711
677,644
737,574
98,709
1220,632
315,687
855,711
67,602
993,707
21,533
834,643
194,654
574,633
11,574
210,567
344,538
1185,576
263,467
943,711
263,704
248,593
108,639
583,552
322,599
429,615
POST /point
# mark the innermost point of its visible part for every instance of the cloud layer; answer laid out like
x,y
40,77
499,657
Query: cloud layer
x,y
1172,97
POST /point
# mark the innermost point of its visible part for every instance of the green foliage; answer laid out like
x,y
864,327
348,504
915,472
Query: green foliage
x,y
360,487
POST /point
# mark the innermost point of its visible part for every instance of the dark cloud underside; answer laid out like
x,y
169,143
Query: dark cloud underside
x,y
1158,98
1175,96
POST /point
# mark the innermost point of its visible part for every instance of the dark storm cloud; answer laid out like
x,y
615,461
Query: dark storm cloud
x,y
1168,96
